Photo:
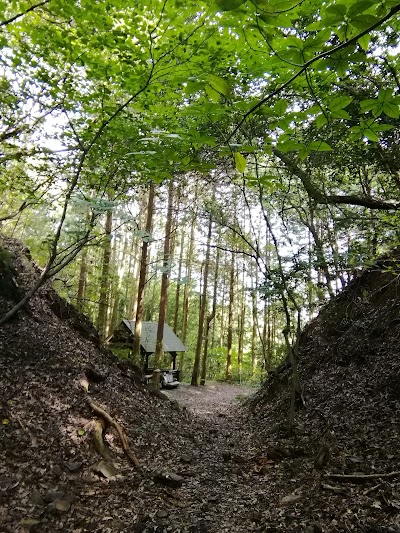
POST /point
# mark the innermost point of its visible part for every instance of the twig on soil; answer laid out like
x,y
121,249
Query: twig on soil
x,y
362,477
337,490
26,430
372,489
124,441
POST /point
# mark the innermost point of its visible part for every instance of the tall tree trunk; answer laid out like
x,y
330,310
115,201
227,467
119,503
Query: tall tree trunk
x,y
178,283
223,307
116,310
170,312
216,280
210,318
269,334
80,297
254,314
104,280
186,292
319,251
333,238
165,278
241,322
189,267
142,275
203,306
230,321
113,304
130,289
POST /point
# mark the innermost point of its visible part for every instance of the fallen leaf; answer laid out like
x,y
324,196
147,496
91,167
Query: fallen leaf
x,y
106,469
29,522
62,505
290,499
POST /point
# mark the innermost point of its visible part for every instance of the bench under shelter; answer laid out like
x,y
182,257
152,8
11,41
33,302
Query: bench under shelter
x,y
123,337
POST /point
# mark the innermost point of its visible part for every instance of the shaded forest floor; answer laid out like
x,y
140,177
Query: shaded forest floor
x,y
209,462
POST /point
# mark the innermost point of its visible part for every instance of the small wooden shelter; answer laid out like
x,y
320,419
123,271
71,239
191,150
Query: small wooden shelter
x,y
124,335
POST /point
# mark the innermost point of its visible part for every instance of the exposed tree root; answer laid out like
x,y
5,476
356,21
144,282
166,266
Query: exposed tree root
x,y
362,477
98,434
97,429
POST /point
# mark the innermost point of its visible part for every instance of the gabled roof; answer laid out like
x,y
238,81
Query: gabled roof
x,y
148,338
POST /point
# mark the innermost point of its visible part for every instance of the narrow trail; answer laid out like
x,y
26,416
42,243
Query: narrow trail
x,y
211,400
225,491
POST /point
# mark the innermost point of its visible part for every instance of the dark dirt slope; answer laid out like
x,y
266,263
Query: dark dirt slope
x,y
349,366
47,482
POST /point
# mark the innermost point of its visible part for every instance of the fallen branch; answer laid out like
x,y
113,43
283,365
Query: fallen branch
x,y
124,441
362,477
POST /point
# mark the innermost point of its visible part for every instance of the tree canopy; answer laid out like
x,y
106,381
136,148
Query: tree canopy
x,y
289,108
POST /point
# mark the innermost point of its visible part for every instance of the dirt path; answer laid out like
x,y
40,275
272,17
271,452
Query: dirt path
x,y
212,399
221,493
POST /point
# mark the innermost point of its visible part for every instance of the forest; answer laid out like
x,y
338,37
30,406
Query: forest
x,y
228,167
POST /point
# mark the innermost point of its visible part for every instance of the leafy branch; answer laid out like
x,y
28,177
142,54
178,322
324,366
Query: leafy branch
x,y
23,13
310,62
320,198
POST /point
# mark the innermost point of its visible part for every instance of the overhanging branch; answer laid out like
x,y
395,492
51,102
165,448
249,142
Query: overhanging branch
x,y
320,198
19,15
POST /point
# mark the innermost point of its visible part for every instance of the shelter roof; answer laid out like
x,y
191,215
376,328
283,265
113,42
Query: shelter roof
x,y
148,338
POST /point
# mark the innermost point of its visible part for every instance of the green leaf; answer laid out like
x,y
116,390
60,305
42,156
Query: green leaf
x,y
277,20
385,95
382,127
6,422
339,10
360,7
391,110
289,146
364,41
212,93
280,106
314,26
363,22
285,122
267,178
319,146
340,113
304,153
321,120
340,102
240,162
371,135
193,87
229,5
368,105
220,85
277,6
